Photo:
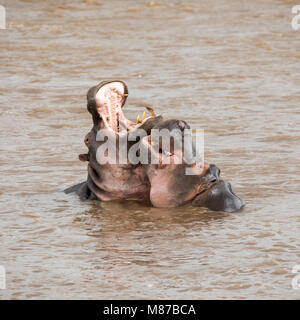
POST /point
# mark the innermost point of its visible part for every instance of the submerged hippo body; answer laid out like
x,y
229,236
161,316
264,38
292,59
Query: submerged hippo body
x,y
162,185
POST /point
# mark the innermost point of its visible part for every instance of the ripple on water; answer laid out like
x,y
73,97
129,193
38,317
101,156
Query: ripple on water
x,y
236,81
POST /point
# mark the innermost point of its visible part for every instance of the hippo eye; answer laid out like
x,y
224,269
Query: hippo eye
x,y
167,153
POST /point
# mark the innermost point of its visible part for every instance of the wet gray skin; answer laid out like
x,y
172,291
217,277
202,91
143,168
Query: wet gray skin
x,y
220,197
161,185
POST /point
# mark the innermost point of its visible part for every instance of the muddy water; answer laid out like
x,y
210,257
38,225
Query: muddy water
x,y
229,67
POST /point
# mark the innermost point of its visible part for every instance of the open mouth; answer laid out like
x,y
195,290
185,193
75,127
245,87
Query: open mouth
x,y
110,99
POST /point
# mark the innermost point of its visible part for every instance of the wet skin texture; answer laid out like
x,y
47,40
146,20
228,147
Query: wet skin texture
x,y
160,185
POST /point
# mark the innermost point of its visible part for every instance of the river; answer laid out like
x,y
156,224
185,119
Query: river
x,y
228,67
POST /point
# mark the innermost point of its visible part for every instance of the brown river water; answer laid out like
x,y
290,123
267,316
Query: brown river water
x,y
228,67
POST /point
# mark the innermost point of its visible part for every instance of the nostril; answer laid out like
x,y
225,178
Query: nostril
x,y
86,140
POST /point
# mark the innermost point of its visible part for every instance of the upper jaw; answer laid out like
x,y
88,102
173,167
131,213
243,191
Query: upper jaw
x,y
110,99
105,103
91,99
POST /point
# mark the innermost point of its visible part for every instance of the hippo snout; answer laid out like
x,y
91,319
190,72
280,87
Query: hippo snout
x,y
219,197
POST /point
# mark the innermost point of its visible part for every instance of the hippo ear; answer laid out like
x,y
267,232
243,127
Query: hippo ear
x,y
84,157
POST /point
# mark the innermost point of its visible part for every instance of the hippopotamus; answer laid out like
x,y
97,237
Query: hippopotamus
x,y
162,183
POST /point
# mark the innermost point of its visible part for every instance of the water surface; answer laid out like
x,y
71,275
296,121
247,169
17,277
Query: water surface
x,y
228,67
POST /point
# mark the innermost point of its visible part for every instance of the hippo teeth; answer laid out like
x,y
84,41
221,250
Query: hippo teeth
x,y
144,116
139,120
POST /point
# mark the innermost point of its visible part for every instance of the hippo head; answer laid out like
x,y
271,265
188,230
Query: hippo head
x,y
114,178
105,102
165,185
172,186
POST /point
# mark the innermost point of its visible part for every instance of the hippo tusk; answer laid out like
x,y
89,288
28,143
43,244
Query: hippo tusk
x,y
138,119
144,116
